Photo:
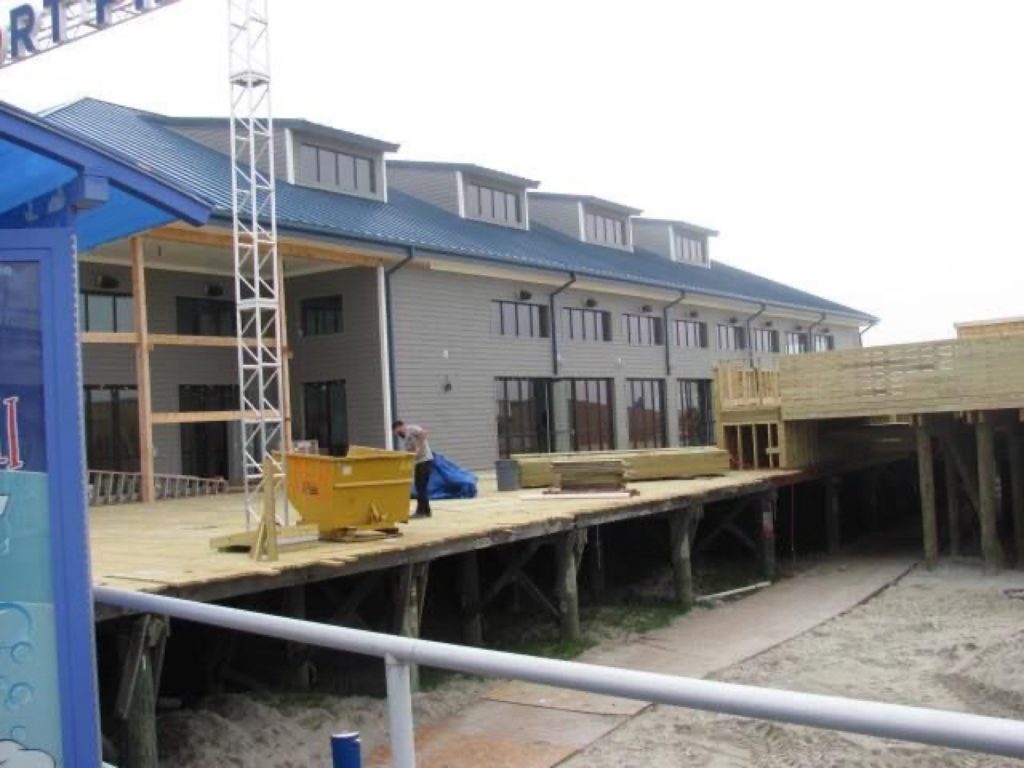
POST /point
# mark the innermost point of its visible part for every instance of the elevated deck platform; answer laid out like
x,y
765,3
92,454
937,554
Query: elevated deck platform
x,y
164,547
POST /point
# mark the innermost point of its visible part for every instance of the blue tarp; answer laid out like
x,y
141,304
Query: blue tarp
x,y
449,481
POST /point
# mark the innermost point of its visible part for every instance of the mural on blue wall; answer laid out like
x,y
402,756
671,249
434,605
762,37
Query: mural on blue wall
x,y
30,727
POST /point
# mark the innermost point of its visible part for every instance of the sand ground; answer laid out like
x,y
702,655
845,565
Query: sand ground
x,y
950,639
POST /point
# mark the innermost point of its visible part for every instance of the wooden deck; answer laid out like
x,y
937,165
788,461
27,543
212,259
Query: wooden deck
x,y
164,547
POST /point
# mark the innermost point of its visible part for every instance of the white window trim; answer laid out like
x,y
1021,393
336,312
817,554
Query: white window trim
x,y
289,155
460,188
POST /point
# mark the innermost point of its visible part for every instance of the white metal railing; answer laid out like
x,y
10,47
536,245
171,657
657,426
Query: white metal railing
x,y
975,733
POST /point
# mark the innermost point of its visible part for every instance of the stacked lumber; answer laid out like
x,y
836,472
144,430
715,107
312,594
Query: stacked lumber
x,y
537,469
585,474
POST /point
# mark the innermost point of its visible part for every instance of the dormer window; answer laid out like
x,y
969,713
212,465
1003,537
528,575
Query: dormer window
x,y
607,230
337,171
489,203
690,249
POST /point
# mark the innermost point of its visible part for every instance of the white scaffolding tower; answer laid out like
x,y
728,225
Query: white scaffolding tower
x,y
257,266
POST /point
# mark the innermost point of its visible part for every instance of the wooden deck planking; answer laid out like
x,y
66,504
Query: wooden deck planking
x,y
164,547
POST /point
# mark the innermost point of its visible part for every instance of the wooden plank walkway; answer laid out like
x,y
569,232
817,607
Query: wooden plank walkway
x,y
164,547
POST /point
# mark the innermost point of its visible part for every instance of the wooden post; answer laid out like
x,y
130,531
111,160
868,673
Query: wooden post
x,y
135,705
926,481
768,506
1015,441
285,352
298,655
472,613
409,599
952,505
833,523
871,499
991,549
680,529
143,381
568,546
595,563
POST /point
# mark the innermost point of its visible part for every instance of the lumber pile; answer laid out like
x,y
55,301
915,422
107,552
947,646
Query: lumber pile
x,y
537,470
590,474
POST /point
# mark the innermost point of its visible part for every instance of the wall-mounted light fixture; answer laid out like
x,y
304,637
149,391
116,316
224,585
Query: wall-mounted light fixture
x,y
694,313
213,290
647,309
447,386
525,295
826,330
798,327
733,320
590,303
107,282
769,324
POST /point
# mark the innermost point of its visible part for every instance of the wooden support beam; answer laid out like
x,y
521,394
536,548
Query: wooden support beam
x,y
299,672
511,571
952,482
965,466
196,417
596,576
135,705
568,549
101,337
926,483
680,530
1015,445
410,594
768,506
347,613
991,548
833,515
469,595
728,525
147,471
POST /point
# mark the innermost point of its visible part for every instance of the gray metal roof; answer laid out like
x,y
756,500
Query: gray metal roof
x,y
406,222
469,168
295,124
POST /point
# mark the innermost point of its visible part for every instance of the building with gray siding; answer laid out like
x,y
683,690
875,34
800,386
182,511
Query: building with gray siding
x,y
455,296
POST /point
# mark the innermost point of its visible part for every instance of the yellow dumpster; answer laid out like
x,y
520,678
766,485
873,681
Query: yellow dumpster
x,y
367,490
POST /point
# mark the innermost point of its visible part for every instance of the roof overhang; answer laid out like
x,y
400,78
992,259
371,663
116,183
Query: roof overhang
x,y
48,170
678,225
596,202
477,171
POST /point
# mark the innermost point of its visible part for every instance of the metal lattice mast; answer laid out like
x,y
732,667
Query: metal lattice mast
x,y
257,268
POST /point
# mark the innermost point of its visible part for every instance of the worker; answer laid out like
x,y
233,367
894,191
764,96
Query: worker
x,y
414,440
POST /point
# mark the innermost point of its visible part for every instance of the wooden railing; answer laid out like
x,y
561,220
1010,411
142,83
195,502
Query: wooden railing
x,y
934,377
106,488
738,386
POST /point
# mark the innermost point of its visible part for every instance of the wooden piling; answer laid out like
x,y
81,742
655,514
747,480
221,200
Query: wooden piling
x,y
951,478
410,595
299,672
595,563
988,498
833,521
1015,442
768,506
680,530
135,705
568,548
926,481
472,614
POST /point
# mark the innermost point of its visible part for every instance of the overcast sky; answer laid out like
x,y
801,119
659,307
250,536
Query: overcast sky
x,y
871,152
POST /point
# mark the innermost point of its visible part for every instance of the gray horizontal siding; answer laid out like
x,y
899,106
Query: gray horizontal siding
x,y
560,215
437,186
218,138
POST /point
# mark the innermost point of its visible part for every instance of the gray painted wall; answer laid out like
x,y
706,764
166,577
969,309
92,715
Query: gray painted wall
x,y
218,138
652,236
352,356
437,186
560,215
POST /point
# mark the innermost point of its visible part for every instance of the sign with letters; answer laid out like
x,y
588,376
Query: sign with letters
x,y
31,28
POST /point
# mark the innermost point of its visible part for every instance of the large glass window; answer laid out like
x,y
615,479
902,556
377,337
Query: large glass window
x,y
547,415
796,343
586,324
824,342
646,413
692,334
112,428
515,318
491,204
205,448
321,316
732,338
593,414
338,170
643,330
101,312
610,230
205,317
696,420
764,340
326,412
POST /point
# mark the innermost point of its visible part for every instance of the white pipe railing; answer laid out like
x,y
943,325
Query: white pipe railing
x,y
975,733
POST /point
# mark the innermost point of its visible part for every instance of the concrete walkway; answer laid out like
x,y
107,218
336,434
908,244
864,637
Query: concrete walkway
x,y
521,725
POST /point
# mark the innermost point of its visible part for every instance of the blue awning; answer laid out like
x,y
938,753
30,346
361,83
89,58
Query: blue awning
x,y
40,163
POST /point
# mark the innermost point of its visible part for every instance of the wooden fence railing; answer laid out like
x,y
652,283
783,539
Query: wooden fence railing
x,y
106,488
739,386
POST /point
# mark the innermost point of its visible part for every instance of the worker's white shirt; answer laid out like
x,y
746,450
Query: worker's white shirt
x,y
416,442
